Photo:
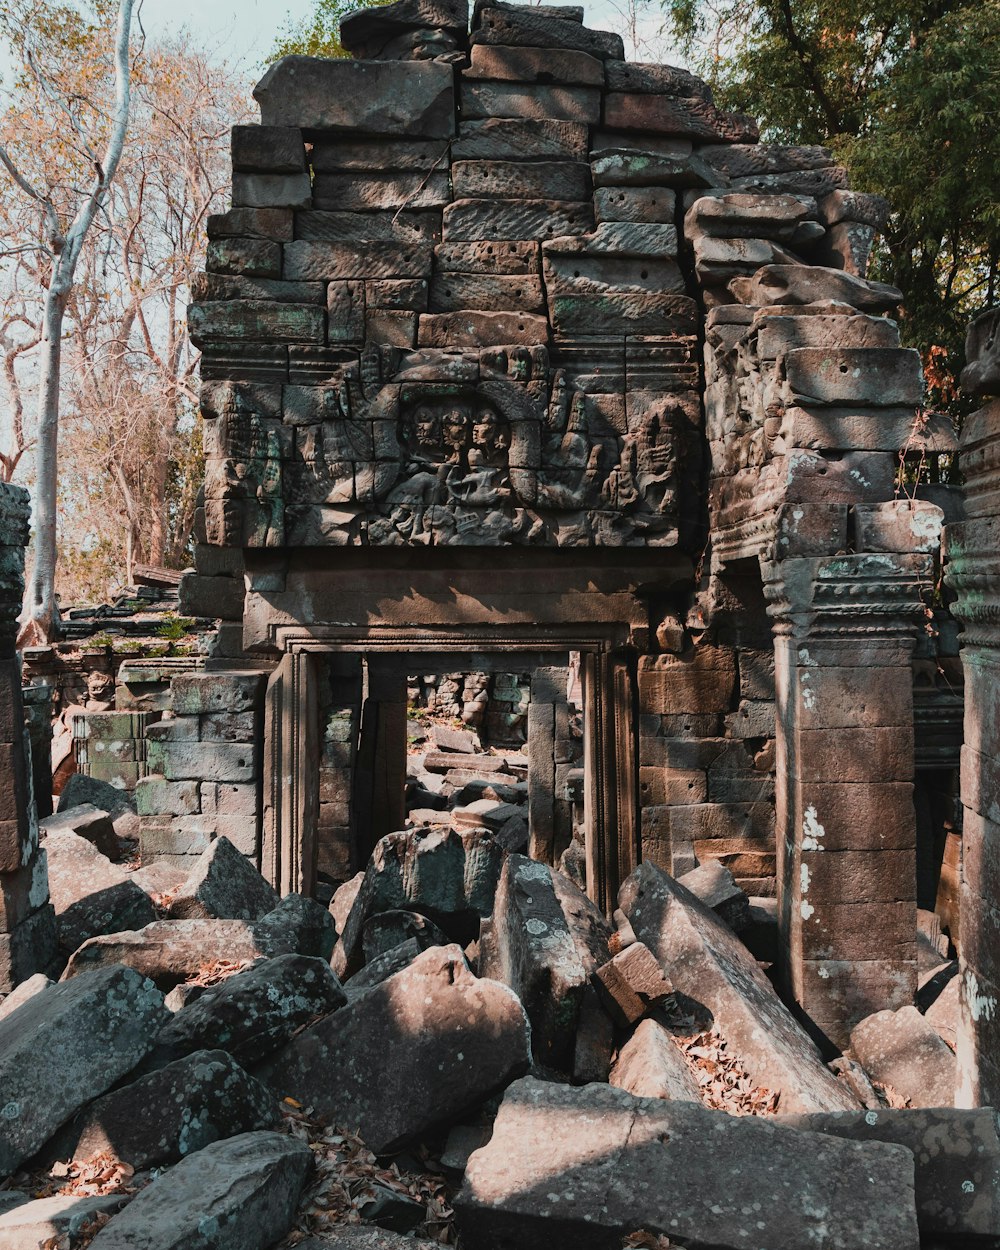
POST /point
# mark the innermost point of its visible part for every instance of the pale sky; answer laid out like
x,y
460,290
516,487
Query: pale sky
x,y
246,29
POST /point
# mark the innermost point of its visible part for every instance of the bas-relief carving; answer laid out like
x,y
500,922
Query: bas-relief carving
x,y
475,448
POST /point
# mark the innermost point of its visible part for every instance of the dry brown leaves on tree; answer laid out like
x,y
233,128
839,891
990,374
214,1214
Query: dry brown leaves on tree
x,y
343,1180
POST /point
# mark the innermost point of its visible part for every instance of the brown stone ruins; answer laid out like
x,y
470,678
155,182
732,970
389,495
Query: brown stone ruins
x,y
569,788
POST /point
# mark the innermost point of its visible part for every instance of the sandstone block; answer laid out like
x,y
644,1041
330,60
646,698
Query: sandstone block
x,y
631,982
253,258
422,1048
89,893
503,138
274,149
257,321
272,191
903,1050
363,192
475,220
655,204
253,223
66,1045
451,292
677,1169
957,1156
652,1065
810,284
880,376
335,261
520,26
64,1220
534,65
239,1194
707,962
223,886
86,821
384,98
170,1113
481,329
532,951
499,258
544,180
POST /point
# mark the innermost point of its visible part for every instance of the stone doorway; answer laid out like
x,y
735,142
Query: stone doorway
x,y
335,775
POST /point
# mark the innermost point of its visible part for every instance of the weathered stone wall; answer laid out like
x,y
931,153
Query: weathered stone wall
x,y
27,921
502,290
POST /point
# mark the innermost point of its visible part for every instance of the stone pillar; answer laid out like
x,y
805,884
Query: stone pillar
x,y
972,569
27,921
844,631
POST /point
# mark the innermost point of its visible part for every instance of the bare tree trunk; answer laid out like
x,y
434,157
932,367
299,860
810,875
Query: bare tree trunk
x,y
41,625
41,588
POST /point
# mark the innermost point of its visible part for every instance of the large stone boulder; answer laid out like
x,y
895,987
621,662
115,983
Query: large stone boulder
x,y
447,876
585,1166
223,885
119,804
652,1065
532,950
298,925
419,1049
67,1045
62,1221
90,894
957,1156
903,1050
169,951
86,821
707,962
239,1194
256,1011
170,1113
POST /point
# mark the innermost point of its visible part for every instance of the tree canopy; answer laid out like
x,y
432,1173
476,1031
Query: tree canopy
x,y
904,91
318,34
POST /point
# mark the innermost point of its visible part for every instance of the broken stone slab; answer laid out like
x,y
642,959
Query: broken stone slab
x,y
777,334
449,877
64,1220
484,814
481,329
364,97
167,1114
446,761
168,951
648,204
239,1194
343,900
652,1065
707,962
255,1011
223,885
810,284
461,741
454,292
743,215
532,950
942,1014
86,821
422,1048
651,79
67,1045
677,1169
161,877
89,893
902,1049
527,65
401,228
588,925
119,804
594,1045
368,34
696,118
521,26
386,930
957,1156
630,983
716,886
519,138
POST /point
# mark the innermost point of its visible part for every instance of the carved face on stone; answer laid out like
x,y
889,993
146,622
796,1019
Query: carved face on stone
x,y
488,433
100,687
427,430
456,429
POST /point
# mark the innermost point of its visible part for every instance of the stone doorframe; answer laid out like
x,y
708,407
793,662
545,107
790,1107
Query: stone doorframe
x,y
608,664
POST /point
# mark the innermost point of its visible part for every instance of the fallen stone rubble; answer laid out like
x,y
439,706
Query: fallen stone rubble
x,y
494,1064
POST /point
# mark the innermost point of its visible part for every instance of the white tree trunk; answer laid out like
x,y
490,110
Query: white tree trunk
x,y
41,624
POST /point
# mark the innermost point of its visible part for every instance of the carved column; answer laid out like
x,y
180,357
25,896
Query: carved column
x,y
844,630
972,551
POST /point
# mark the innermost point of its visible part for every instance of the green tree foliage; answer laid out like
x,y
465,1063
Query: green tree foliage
x,y
905,92
319,34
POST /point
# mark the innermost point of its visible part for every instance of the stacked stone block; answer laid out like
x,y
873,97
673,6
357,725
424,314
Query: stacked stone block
x,y
27,920
459,301
204,762
111,746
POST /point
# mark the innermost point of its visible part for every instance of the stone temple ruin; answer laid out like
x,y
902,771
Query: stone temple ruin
x,y
537,388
